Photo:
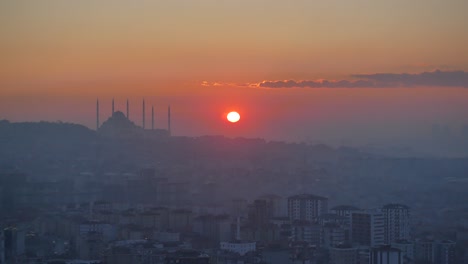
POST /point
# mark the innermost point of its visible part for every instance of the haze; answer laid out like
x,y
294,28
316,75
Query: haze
x,y
208,57
351,147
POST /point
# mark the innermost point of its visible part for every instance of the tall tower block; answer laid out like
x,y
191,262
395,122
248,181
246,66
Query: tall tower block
x,y
143,113
97,114
169,119
128,110
152,117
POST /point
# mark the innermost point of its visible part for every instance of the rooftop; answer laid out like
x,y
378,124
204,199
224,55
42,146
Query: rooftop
x,y
395,206
345,207
308,196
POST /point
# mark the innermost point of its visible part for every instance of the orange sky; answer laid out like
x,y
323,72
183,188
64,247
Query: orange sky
x,y
68,53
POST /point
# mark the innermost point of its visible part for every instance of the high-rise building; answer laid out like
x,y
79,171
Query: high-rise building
x,y
277,206
386,255
407,250
344,254
2,246
239,207
332,235
445,252
345,211
424,250
306,207
397,222
14,243
367,227
307,231
258,214
363,255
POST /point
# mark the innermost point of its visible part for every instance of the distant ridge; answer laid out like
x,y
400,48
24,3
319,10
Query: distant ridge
x,y
43,139
43,129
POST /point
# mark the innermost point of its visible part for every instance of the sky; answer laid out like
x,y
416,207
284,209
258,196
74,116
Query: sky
x,y
361,71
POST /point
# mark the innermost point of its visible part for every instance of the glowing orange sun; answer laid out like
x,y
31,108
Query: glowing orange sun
x,y
233,117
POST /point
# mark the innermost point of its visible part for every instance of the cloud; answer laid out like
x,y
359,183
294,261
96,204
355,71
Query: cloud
x,y
227,84
315,84
435,78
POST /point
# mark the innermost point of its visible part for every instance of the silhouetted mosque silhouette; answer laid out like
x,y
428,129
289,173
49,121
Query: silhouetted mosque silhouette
x,y
120,125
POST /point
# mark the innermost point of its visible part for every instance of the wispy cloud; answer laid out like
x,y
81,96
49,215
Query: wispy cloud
x,y
435,78
228,84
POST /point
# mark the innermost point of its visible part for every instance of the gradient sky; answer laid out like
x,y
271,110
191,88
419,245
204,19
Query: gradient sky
x,y
205,57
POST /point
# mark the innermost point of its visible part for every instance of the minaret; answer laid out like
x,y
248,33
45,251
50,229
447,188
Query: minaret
x,y
112,106
97,114
128,110
152,117
238,236
169,119
143,113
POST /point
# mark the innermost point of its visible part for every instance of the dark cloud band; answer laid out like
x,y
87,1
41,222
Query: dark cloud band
x,y
378,80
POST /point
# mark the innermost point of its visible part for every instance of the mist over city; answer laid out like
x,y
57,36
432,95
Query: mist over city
x,y
233,132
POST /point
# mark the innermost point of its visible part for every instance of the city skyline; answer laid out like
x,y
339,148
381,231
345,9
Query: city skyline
x,y
233,131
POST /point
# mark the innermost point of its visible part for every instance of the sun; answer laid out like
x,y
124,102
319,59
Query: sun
x,y
233,117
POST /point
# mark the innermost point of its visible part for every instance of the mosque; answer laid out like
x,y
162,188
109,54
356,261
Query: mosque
x,y
120,125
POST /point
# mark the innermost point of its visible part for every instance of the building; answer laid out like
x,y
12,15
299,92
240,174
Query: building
x,y
216,228
344,254
397,222
345,211
187,257
134,252
239,207
386,255
90,245
14,243
239,247
407,250
166,236
306,207
2,247
276,205
107,231
332,235
11,190
302,252
119,125
307,231
259,214
367,227
180,220
363,255
445,252
178,194
424,250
